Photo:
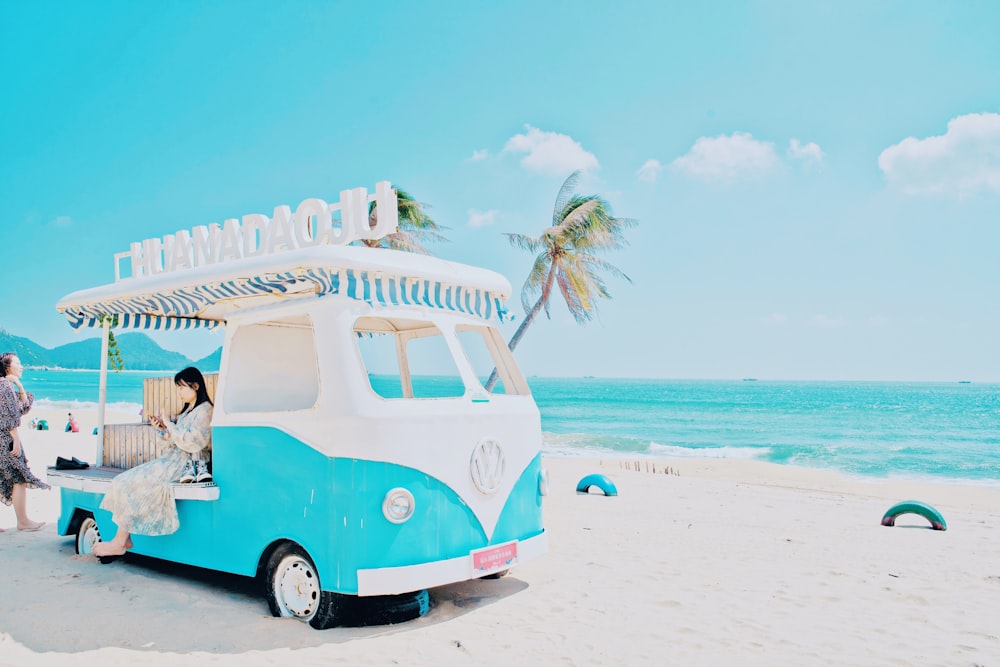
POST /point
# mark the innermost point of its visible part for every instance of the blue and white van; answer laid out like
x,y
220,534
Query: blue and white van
x,y
355,448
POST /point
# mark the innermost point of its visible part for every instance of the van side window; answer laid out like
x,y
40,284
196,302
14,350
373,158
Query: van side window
x,y
486,350
272,367
407,359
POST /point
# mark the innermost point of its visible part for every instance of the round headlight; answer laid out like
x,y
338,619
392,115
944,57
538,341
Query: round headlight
x,y
398,505
543,482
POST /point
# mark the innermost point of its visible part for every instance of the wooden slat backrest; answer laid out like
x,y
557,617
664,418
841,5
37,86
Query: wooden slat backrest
x,y
160,395
129,445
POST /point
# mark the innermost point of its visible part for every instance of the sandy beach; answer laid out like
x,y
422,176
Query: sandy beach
x,y
727,562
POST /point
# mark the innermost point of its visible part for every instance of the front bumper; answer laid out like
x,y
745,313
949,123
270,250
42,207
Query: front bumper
x,y
394,580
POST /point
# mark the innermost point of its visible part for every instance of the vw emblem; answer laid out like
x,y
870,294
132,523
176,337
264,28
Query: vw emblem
x,y
486,466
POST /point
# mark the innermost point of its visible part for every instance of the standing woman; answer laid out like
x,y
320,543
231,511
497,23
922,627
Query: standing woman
x,y
140,500
15,476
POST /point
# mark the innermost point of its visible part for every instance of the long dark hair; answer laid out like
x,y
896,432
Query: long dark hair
x,y
5,360
191,376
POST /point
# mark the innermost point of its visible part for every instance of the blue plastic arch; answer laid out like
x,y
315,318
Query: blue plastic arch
x,y
915,507
600,481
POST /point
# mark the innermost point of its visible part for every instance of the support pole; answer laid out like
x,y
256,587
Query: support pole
x,y
102,393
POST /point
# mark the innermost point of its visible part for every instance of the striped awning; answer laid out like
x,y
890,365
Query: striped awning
x,y
181,308
153,322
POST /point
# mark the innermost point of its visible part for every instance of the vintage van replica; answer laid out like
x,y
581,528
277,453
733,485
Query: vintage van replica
x,y
355,450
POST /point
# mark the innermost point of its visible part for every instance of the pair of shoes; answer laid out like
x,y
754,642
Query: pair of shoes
x,y
201,473
70,464
188,473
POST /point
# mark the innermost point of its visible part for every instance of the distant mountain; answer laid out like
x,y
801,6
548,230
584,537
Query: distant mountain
x,y
139,352
211,363
28,351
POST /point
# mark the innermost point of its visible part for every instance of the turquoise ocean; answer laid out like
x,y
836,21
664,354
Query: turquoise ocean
x,y
935,431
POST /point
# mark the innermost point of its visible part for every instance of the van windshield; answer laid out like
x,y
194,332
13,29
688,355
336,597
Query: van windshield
x,y
407,358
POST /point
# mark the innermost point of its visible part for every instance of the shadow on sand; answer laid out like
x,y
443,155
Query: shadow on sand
x,y
144,603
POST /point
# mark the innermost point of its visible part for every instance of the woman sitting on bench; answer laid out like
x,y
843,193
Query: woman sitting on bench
x,y
140,499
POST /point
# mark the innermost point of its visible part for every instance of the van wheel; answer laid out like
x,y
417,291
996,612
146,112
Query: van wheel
x,y
386,609
87,535
293,589
497,575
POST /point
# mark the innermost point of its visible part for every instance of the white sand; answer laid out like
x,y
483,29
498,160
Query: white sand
x,y
732,562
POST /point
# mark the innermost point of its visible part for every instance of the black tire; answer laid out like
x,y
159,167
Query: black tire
x,y
497,575
293,589
87,534
386,609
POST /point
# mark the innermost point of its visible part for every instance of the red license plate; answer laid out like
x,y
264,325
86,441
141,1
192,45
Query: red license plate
x,y
493,559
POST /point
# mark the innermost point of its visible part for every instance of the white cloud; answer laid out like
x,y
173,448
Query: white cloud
x,y
550,152
775,319
62,221
811,154
649,171
727,158
478,156
822,321
482,218
962,161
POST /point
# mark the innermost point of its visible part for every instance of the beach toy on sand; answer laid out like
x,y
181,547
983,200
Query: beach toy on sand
x,y
915,507
600,481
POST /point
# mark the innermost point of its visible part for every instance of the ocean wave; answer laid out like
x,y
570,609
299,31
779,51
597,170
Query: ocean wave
x,y
121,406
675,452
607,446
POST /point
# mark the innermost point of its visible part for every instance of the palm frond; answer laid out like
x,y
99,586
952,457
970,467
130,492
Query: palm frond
x,y
585,284
524,242
565,192
536,280
579,213
578,307
402,241
595,264
415,226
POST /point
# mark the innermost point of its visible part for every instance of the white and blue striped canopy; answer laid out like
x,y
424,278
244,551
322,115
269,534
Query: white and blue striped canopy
x,y
180,300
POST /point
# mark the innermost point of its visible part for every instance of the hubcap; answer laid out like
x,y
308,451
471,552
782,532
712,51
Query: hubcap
x,y
88,537
297,587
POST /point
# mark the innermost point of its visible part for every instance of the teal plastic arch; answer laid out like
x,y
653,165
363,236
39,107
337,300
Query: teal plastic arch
x,y
600,481
914,507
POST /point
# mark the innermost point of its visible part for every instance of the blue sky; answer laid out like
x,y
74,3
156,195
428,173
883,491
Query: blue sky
x,y
816,184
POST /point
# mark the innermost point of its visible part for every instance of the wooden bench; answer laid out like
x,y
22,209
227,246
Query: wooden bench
x,y
129,445
97,479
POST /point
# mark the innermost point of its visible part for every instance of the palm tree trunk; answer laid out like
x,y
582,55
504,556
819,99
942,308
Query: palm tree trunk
x,y
516,338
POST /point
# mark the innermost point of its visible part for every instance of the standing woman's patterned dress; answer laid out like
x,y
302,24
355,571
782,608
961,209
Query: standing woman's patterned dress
x,y
13,469
140,499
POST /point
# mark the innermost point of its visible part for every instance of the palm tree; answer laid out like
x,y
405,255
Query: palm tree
x,y
567,257
415,226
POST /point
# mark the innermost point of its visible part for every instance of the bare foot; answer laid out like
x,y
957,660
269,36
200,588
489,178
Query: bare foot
x,y
108,549
34,525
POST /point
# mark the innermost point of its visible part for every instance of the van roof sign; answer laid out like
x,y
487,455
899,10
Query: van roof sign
x,y
313,223
301,256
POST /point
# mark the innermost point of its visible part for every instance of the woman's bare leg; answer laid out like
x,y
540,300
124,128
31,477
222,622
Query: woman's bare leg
x,y
19,498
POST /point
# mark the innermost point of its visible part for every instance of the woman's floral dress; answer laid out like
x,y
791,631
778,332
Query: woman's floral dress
x,y
140,499
13,469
